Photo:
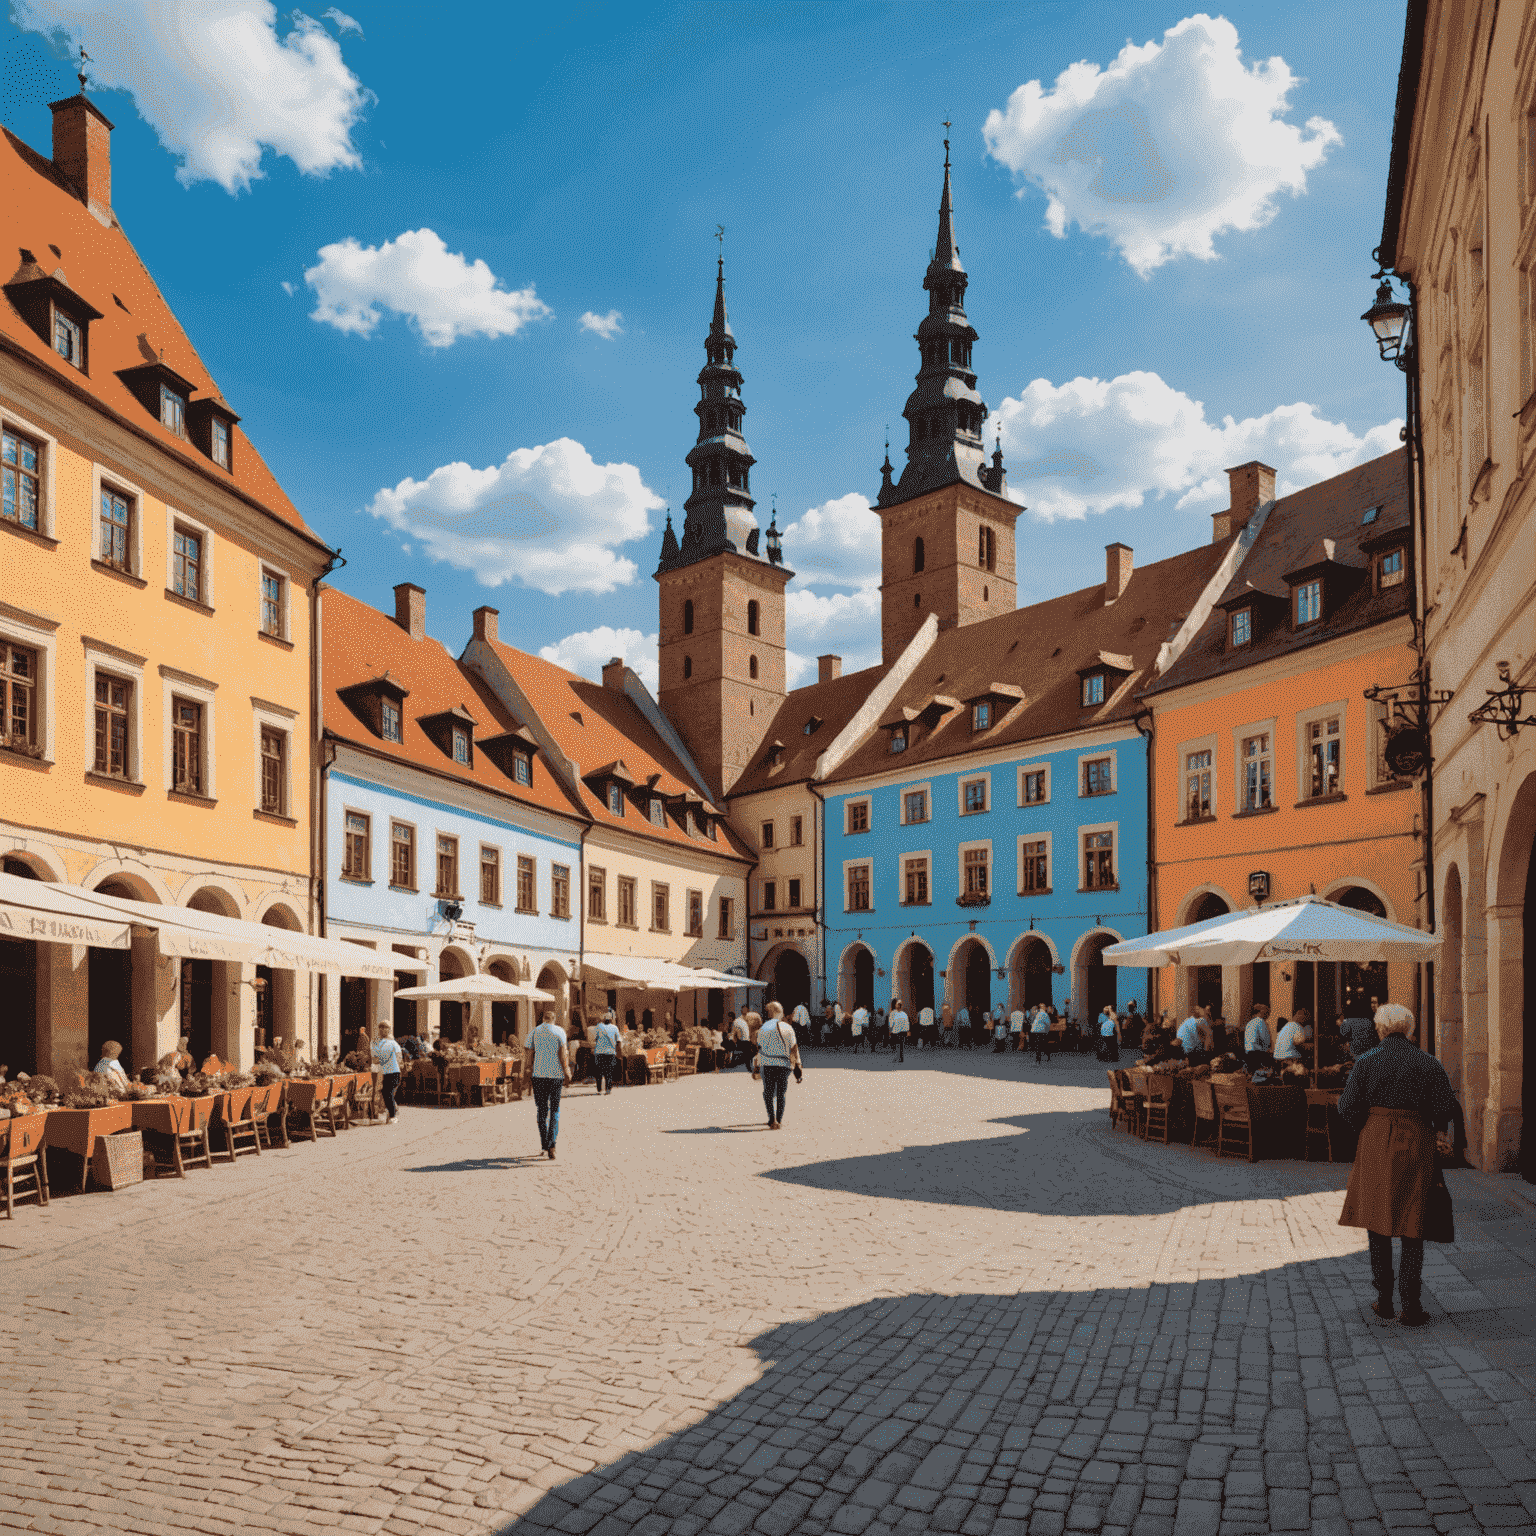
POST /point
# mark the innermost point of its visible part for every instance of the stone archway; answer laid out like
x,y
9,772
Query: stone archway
x,y
791,980
1029,973
1093,983
1203,984
912,976
1448,1006
506,1018
856,978
1349,990
128,990
970,978
552,979
210,1000
1509,1120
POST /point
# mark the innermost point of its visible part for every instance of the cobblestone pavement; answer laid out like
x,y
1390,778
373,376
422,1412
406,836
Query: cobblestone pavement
x,y
944,1298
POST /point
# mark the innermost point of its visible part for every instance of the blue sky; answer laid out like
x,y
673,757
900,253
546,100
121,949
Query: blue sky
x,y
383,235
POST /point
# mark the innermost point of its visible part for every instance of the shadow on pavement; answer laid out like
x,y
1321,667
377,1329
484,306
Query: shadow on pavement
x,y
949,1413
479,1164
716,1130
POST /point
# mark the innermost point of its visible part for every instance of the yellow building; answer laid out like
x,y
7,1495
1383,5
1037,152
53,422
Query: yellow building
x,y
1460,231
155,626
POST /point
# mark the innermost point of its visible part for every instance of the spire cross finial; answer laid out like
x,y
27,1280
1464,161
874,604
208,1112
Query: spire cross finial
x,y
720,236
947,126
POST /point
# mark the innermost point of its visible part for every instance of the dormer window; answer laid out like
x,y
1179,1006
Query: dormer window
x,y
211,428
813,725
460,746
1371,514
522,768
1389,569
220,444
689,825
379,702
1242,626
658,811
616,799
389,722
173,410
899,739
68,339
981,716
1309,602
1093,689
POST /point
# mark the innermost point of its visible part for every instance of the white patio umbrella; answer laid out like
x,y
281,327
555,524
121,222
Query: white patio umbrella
x,y
475,989
1304,928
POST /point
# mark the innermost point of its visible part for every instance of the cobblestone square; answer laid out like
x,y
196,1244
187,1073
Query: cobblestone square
x,y
946,1297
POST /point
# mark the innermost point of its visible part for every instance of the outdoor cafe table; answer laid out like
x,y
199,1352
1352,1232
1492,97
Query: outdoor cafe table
x,y
1278,1112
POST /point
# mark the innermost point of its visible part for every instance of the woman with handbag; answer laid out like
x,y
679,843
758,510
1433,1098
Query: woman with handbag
x,y
1397,1097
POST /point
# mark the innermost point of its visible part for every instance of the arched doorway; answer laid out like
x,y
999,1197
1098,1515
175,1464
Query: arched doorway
x,y
109,1003
504,1016
791,980
914,978
1350,990
1204,980
18,986
1096,984
856,979
552,980
1031,973
450,967
976,979
1527,1162
1449,1015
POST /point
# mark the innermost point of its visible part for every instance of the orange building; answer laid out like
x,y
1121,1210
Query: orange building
x,y
155,624
1269,779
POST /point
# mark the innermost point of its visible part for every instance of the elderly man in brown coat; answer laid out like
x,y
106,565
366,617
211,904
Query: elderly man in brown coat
x,y
1397,1097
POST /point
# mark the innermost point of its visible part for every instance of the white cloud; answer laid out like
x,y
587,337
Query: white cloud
x,y
288,288
215,80
342,22
836,544
607,326
1093,445
590,651
1172,144
546,517
847,624
416,276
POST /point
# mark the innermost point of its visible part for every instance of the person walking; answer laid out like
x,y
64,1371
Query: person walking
x,y
900,1027
1109,1034
858,1024
551,1071
386,1052
999,1031
1397,1098
1040,1034
1257,1041
947,1024
777,1055
926,1030
1016,1023
605,1053
741,1041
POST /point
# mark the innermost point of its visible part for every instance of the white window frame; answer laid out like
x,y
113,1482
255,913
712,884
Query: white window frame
x,y
848,865
926,788
278,718
1198,744
960,852
45,496
173,521
38,634
135,520
925,854
1035,767
1240,733
268,568
867,801
960,787
1304,719
102,656
1018,866
1112,827
198,690
1084,758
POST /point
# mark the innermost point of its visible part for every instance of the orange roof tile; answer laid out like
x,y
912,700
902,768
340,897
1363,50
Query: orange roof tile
x,y
596,726
360,644
40,214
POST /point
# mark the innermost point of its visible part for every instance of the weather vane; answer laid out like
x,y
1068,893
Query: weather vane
x,y
720,236
947,126
85,59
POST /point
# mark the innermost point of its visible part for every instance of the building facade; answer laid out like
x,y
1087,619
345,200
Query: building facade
x,y
450,845
155,639
1270,777
1460,231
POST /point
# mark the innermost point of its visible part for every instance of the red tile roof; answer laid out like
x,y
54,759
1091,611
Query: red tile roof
x,y
1041,649
1324,522
360,644
40,214
834,703
595,726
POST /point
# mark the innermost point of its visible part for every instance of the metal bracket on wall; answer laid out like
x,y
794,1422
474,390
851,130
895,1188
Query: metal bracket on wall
x,y
1501,709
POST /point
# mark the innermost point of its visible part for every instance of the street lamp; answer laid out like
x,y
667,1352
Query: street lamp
x,y
1389,320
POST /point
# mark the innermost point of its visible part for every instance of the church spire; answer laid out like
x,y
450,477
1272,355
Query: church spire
x,y
718,514
945,413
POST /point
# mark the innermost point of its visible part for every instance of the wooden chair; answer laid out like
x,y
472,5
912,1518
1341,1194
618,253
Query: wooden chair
x,y
240,1133
367,1101
306,1111
1321,1106
22,1162
655,1065
338,1106
272,1127
688,1062
1156,1118
512,1079
189,1148
1206,1113
1133,1101
1235,1125
1117,1109
669,1062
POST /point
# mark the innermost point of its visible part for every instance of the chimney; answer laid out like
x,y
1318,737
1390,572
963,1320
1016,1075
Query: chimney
x,y
411,609
828,667
82,152
485,623
613,674
1251,485
1119,562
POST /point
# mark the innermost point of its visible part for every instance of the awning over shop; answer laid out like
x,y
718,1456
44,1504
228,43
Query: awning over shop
x,y
723,981
50,914
666,975
189,934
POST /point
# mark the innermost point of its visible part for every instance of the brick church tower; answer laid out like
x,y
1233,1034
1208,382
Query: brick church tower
x,y
722,597
947,526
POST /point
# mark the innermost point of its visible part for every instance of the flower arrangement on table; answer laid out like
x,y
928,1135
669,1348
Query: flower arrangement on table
x,y
27,1095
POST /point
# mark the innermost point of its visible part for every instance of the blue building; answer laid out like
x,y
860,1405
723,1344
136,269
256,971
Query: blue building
x,y
449,843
